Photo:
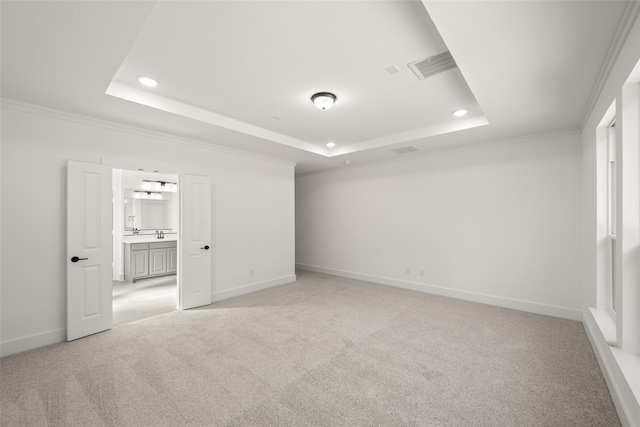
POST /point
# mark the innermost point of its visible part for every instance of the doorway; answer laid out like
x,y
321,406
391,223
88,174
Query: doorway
x,y
90,245
145,241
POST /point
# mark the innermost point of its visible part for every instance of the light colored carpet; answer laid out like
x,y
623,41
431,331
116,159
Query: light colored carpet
x,y
324,351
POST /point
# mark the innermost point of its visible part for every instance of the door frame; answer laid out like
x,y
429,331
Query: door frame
x,y
124,163
119,223
118,220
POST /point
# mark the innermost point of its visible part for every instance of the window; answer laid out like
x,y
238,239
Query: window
x,y
616,312
611,216
611,178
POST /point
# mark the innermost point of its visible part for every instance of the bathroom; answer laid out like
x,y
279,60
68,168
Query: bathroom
x,y
145,237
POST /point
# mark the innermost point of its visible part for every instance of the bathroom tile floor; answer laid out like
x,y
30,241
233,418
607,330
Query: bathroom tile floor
x,y
144,298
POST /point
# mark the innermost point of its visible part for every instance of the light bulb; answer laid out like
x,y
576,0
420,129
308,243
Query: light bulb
x,y
147,81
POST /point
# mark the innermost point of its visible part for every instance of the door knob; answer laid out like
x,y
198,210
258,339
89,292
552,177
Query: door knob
x,y
76,259
206,248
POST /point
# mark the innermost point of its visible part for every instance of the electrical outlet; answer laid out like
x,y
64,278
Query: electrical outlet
x,y
251,272
422,272
407,270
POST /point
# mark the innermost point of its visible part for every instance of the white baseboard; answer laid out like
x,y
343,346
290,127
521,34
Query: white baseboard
x,y
219,296
622,395
33,341
531,307
59,335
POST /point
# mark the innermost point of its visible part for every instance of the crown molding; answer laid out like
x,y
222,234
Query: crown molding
x,y
132,130
452,150
629,17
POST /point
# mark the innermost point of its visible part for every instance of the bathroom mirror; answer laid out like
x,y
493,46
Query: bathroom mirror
x,y
148,215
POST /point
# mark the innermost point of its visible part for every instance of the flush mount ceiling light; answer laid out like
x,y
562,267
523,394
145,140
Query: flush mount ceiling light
x,y
147,81
323,100
331,144
460,113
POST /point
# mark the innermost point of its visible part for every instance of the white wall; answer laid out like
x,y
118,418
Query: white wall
x,y
499,225
252,222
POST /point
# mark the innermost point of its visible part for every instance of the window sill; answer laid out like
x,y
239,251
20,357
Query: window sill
x,y
628,363
630,366
607,325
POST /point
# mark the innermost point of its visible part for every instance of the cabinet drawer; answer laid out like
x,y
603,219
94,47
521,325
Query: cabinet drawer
x,y
139,246
160,245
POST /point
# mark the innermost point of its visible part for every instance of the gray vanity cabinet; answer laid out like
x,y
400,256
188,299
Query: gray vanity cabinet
x,y
172,259
139,261
142,260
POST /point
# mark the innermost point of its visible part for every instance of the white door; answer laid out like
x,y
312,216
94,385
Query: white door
x,y
194,250
89,249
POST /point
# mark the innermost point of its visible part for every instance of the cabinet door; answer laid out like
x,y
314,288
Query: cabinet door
x,y
157,261
139,264
172,260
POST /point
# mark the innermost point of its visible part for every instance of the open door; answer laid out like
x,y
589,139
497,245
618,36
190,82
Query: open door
x,y
89,249
194,243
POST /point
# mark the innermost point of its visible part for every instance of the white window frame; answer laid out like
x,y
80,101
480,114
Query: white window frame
x,y
612,283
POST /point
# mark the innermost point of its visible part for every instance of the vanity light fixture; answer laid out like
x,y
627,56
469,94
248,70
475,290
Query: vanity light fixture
x,y
147,81
323,100
168,187
147,195
460,113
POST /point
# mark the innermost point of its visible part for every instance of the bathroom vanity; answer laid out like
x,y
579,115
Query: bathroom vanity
x,y
149,259
146,222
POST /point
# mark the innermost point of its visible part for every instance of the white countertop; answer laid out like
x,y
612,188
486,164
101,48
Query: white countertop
x,y
149,238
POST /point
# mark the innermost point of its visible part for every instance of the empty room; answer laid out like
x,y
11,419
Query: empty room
x,y
320,213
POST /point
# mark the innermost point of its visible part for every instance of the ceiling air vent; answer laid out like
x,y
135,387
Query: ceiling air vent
x,y
409,149
433,65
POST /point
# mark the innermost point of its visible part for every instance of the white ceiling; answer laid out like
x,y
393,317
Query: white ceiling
x,y
227,68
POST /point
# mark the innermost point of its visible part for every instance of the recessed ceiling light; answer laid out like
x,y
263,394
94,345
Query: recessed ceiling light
x,y
147,81
460,113
323,100
331,144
